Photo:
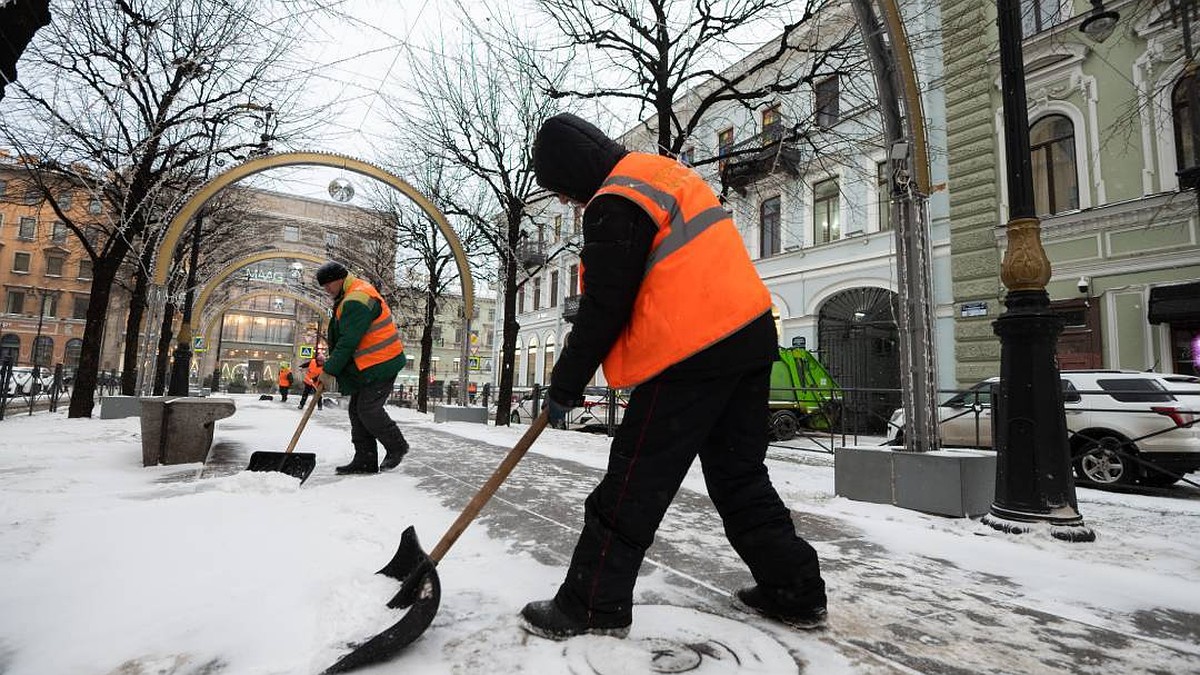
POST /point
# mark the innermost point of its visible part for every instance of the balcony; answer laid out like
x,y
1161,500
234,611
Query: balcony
x,y
531,254
570,308
757,157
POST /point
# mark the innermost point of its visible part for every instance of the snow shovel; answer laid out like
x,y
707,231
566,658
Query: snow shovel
x,y
295,464
420,589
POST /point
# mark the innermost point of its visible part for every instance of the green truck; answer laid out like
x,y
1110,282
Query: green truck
x,y
803,395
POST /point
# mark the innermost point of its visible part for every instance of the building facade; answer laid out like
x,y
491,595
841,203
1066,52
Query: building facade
x,y
1112,145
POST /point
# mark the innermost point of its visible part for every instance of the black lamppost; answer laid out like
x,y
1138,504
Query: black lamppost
x,y
1033,458
183,347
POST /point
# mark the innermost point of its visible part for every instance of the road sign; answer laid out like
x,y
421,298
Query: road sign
x,y
198,344
306,351
473,363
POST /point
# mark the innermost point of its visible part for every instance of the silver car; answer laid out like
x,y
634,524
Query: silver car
x,y
1124,426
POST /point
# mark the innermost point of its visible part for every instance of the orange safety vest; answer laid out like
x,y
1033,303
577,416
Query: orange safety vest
x,y
283,377
381,342
312,373
699,286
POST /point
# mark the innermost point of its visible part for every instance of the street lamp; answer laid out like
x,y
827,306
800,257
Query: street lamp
x,y
1033,458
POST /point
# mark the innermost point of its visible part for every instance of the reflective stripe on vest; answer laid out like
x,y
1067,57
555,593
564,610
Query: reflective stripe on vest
x,y
700,285
381,342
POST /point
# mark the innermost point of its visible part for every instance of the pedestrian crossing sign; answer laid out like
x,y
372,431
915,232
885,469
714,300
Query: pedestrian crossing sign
x,y
306,351
198,344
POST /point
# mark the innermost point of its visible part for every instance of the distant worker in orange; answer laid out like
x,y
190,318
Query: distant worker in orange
x,y
312,373
285,381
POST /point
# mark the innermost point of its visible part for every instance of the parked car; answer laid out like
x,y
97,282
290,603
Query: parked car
x,y
592,415
22,382
1110,414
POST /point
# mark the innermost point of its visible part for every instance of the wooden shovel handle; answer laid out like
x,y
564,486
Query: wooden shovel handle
x,y
304,420
489,488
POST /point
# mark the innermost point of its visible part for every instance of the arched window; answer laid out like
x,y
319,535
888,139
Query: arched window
x,y
1185,150
10,348
71,356
532,363
43,350
548,360
1055,176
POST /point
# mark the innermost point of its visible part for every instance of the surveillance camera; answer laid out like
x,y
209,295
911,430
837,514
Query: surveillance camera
x,y
1083,284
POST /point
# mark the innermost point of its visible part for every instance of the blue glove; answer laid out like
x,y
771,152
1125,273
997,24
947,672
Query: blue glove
x,y
556,413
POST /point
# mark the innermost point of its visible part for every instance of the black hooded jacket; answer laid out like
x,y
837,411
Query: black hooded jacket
x,y
571,157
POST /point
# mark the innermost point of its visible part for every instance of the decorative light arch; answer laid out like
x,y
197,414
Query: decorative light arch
x,y
227,271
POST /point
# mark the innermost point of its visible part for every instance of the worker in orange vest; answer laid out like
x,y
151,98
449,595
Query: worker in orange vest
x,y
672,305
312,374
365,356
285,381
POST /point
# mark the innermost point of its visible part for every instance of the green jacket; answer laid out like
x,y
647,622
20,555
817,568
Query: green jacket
x,y
344,335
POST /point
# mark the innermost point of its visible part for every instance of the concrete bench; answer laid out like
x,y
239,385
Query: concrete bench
x,y
118,407
188,431
458,413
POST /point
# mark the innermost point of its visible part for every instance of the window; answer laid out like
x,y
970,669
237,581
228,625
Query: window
x,y
1135,390
548,359
32,196
768,241
10,348
554,289
558,226
331,239
95,207
3,187
80,307
27,228
772,124
291,233
21,262
65,200
521,301
573,281
1052,151
883,195
15,302
1186,154
577,220
54,265
827,92
531,363
58,233
43,350
1040,15
50,305
85,269
826,227
71,354
688,156
724,145
537,293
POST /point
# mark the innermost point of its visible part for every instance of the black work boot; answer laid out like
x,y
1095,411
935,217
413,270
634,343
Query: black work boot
x,y
545,619
392,459
781,605
363,462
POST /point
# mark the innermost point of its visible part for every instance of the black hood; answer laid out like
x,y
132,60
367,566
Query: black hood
x,y
571,157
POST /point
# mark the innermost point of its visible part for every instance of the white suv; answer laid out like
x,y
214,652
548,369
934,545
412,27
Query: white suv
x,y
1122,424
591,416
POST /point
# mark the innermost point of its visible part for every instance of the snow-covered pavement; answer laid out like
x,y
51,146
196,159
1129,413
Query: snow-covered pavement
x,y
116,569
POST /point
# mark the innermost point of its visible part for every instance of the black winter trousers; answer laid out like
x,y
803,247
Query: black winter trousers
x,y
723,420
369,422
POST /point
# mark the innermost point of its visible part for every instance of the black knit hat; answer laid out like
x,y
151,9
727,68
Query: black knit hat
x,y
330,271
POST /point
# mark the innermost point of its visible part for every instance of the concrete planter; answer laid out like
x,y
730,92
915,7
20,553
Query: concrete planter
x,y
458,413
957,482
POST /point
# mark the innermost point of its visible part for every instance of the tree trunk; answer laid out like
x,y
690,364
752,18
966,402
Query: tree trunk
x,y
84,390
162,364
509,340
426,350
133,325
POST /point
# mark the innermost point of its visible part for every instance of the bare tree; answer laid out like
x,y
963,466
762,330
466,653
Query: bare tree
x,y
478,109
670,58
127,98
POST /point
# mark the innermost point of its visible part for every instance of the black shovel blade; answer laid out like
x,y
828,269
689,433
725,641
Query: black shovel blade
x,y
295,464
410,565
389,643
